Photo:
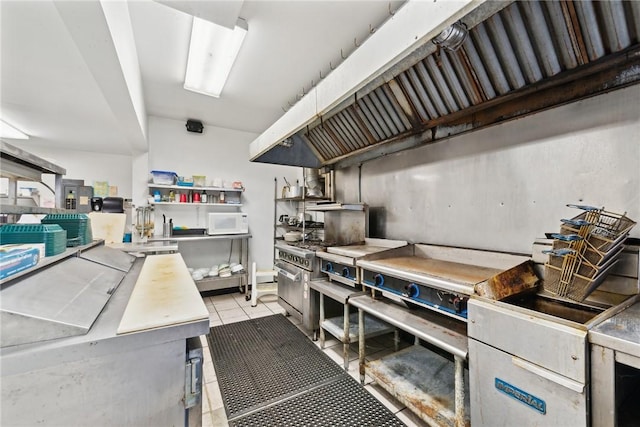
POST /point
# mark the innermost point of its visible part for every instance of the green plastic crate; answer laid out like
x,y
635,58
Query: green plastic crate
x,y
53,236
78,227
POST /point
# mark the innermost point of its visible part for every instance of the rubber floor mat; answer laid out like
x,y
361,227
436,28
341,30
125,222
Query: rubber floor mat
x,y
341,403
265,360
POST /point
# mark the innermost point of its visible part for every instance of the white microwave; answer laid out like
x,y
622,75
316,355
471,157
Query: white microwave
x,y
227,223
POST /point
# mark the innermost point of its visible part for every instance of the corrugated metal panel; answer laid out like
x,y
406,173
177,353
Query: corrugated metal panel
x,y
523,44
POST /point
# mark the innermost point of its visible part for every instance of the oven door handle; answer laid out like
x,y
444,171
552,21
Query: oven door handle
x,y
285,273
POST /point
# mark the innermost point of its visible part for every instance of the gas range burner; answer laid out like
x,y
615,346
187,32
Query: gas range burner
x,y
312,245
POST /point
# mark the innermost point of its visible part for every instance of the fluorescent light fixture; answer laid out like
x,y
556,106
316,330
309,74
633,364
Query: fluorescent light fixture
x,y
212,52
8,131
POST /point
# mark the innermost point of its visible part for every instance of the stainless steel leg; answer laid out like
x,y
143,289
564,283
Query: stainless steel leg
x,y
345,338
361,344
244,260
321,320
459,392
603,387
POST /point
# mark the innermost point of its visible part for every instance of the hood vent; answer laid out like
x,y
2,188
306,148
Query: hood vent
x,y
527,57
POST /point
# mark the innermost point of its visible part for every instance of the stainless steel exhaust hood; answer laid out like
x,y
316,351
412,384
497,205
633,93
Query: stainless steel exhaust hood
x,y
518,58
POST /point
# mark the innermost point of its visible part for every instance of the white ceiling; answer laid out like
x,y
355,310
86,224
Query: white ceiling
x,y
62,82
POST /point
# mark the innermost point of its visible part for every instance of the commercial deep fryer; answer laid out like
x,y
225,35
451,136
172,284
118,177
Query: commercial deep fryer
x,y
529,358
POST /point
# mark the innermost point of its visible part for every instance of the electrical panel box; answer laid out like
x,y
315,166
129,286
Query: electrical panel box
x,y
82,194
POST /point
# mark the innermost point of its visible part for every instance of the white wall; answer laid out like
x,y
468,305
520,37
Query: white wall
x,y
502,187
217,153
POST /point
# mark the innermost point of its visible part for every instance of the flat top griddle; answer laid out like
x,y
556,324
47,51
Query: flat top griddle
x,y
370,246
356,251
454,271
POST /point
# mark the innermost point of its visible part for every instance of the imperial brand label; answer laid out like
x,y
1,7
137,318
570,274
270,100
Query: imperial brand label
x,y
521,396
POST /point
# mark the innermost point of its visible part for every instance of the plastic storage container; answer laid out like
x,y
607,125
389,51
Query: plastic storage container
x,y
199,180
163,177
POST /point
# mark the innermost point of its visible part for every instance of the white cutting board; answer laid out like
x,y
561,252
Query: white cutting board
x,y
164,295
108,226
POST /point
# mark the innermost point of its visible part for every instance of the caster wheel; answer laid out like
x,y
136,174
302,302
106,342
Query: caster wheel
x,y
247,297
315,335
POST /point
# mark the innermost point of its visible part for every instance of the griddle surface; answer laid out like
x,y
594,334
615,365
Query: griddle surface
x,y
455,271
356,251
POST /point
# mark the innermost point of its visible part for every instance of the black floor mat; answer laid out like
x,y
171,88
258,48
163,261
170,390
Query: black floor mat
x,y
270,373
342,402
263,360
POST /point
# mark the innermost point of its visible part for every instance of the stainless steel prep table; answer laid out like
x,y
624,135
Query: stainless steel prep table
x,y
405,373
345,328
614,341
102,378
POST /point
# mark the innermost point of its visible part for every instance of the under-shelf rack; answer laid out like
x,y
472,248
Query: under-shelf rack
x,y
216,283
418,373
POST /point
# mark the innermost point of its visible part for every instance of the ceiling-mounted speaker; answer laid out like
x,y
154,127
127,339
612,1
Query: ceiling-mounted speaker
x,y
194,126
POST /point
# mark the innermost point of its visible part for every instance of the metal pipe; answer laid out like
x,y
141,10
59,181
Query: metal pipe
x,y
345,338
360,183
459,391
321,320
361,345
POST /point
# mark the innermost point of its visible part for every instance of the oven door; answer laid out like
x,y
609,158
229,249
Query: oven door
x,y
290,287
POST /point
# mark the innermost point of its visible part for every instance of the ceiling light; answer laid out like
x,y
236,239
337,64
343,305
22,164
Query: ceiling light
x,y
8,131
452,37
212,52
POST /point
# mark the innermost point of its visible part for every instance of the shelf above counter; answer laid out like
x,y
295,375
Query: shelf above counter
x,y
300,228
303,199
196,204
192,238
185,187
322,207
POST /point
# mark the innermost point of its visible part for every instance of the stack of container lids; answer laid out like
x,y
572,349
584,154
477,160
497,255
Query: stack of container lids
x,y
53,236
78,227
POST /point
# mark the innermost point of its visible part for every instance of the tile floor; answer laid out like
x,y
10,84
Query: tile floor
x,y
233,307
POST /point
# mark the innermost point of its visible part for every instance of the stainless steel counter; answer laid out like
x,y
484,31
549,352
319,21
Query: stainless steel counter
x,y
100,378
614,342
620,332
147,247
